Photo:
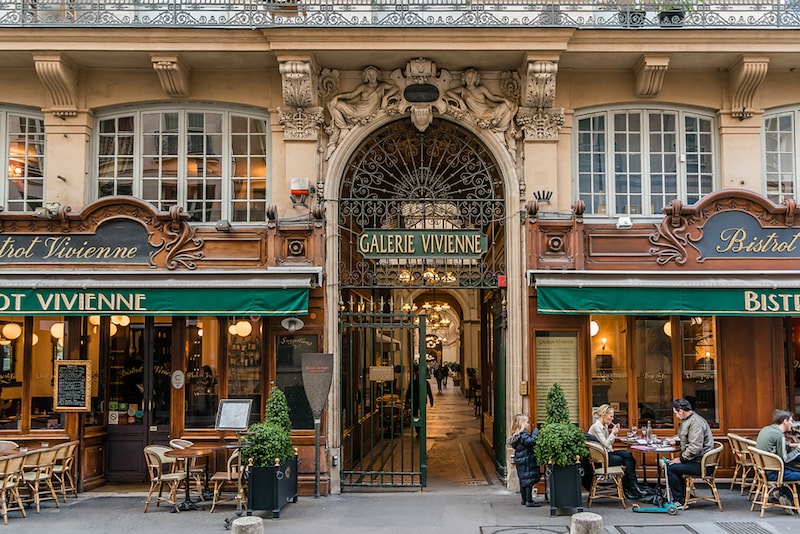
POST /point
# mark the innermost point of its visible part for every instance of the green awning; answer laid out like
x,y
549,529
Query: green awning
x,y
644,293
272,292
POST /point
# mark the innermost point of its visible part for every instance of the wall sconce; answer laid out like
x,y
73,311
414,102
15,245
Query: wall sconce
x,y
292,324
300,190
594,328
223,225
57,330
624,222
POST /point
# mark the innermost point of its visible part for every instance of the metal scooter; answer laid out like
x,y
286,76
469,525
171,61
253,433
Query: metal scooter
x,y
660,504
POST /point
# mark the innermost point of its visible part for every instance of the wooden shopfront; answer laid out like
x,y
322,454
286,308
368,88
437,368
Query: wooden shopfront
x,y
168,319
704,304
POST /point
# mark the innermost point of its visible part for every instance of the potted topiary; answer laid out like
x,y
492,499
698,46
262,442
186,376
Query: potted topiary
x,y
559,447
271,459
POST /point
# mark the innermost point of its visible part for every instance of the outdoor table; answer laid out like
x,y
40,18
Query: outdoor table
x,y
659,451
187,454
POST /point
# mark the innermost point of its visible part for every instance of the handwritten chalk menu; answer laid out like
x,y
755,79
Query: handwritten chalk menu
x,y
73,386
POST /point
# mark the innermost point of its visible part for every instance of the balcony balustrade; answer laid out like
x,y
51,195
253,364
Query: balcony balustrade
x,y
611,15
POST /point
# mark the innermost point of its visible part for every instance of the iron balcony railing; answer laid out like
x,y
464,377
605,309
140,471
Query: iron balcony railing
x,y
613,14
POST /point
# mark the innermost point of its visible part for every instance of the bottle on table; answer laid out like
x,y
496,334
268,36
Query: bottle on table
x,y
649,433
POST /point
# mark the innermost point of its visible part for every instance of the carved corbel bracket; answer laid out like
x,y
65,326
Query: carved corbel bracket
x,y
173,74
540,124
745,77
541,84
650,71
60,78
421,72
301,116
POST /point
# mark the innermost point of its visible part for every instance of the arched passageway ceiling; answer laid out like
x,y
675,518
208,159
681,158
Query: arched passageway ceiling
x,y
441,180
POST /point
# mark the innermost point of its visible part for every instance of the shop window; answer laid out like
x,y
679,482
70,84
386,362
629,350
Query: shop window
x,y
24,156
213,163
202,371
635,161
289,375
12,335
556,361
243,347
699,356
781,152
50,334
91,352
609,364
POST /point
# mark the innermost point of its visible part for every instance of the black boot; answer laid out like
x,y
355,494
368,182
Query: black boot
x,y
631,494
525,492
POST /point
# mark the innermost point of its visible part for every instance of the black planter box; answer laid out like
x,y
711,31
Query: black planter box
x,y
270,488
565,488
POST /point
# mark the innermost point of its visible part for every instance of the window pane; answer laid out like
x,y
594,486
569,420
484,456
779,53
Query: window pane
x,y
699,356
652,354
44,353
243,347
556,361
24,182
609,364
11,374
202,371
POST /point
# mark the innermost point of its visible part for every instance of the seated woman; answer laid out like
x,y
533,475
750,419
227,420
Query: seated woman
x,y
606,432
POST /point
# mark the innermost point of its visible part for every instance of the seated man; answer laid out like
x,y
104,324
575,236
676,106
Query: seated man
x,y
695,440
772,439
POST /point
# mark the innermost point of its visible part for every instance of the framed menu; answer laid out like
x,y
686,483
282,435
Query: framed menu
x,y
233,414
72,392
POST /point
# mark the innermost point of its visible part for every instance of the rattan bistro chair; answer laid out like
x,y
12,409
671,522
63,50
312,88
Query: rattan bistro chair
x,y
766,463
230,480
744,472
196,471
159,476
37,475
607,480
64,469
707,476
10,481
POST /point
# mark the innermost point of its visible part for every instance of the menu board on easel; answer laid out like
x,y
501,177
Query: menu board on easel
x,y
72,392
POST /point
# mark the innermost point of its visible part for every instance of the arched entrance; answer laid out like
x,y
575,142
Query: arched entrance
x,y
422,254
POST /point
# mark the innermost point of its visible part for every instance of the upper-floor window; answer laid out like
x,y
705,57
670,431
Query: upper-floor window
x,y
635,161
780,155
23,142
211,162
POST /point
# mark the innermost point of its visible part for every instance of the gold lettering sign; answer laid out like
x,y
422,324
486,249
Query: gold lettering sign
x,y
422,243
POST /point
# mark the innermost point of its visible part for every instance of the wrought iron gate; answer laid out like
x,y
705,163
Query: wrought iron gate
x,y
383,439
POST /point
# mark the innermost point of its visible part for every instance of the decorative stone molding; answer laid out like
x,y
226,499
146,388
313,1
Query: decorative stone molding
x,y
540,92
173,74
299,123
421,72
302,116
650,71
540,124
745,77
60,78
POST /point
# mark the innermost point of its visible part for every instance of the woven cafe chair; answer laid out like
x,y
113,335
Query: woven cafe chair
x,y
196,472
161,474
64,469
7,445
707,476
744,472
607,480
766,463
37,474
231,480
10,481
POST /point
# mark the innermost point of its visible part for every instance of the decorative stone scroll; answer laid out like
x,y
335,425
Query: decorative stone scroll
x,y
539,120
301,116
60,78
745,78
173,74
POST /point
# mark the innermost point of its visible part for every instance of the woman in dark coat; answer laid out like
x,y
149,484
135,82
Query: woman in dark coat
x,y
522,440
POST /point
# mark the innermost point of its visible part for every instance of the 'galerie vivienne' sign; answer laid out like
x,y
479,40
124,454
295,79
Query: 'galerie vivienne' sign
x,y
449,243
738,235
118,241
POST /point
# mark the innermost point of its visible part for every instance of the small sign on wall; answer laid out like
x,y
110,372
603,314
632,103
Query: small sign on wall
x,y
72,392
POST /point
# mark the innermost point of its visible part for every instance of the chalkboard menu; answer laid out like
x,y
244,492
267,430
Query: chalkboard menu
x,y
72,386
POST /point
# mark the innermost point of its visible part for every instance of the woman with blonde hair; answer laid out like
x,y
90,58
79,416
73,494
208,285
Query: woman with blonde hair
x,y
605,431
522,441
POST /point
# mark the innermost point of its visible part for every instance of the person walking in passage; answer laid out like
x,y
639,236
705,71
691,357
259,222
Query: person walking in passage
x,y
695,439
522,441
413,396
605,430
440,375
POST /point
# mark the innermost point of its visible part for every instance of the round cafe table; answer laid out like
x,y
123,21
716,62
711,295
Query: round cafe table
x,y
187,454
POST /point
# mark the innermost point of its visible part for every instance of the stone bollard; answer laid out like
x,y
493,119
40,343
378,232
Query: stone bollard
x,y
249,525
586,523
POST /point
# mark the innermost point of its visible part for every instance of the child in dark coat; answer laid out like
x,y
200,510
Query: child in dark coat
x,y
522,440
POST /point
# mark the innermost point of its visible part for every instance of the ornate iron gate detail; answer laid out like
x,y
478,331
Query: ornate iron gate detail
x,y
383,441
438,180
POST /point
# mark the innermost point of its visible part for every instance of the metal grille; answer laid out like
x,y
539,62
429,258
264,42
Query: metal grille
x,y
383,441
440,179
